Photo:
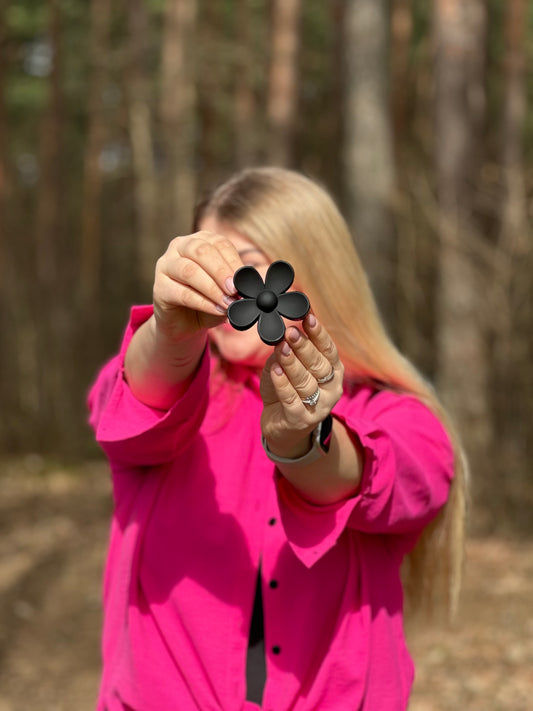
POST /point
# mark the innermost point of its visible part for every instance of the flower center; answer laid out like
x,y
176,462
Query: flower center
x,y
267,301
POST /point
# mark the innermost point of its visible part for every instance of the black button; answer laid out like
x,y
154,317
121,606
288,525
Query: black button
x,y
273,584
272,522
276,649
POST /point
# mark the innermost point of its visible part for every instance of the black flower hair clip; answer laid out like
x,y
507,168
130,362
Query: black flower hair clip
x,y
266,302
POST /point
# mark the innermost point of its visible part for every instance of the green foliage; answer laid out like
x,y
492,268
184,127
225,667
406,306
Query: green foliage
x,y
421,19
26,19
25,95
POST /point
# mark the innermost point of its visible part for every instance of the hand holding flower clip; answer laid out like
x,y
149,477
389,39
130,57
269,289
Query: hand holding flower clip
x,y
267,302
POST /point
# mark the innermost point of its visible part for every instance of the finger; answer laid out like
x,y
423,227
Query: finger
x,y
171,292
229,252
301,379
268,392
287,395
205,262
216,255
192,276
308,354
322,340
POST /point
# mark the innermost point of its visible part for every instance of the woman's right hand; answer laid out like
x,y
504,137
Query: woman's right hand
x,y
194,284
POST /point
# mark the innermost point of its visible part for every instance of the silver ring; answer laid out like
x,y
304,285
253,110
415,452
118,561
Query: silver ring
x,y
328,378
312,399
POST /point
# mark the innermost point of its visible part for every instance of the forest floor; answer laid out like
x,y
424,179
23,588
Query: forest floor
x,y
54,526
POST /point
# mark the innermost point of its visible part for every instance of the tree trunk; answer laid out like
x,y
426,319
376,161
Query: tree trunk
x,y
178,121
335,177
245,104
48,205
512,324
283,80
8,323
141,141
91,214
401,34
211,84
4,172
462,356
515,103
50,346
369,159
514,242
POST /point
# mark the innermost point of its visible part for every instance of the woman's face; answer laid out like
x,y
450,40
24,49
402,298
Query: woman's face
x,y
239,346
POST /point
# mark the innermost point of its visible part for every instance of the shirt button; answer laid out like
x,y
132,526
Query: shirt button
x,y
276,649
272,522
273,584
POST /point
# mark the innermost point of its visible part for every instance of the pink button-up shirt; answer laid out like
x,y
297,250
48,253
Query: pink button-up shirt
x,y
198,507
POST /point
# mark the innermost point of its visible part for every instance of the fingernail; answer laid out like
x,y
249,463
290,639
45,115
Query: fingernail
x,y
230,286
311,321
228,300
285,348
278,369
220,309
294,335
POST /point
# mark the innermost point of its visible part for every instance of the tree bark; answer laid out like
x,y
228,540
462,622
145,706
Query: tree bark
x,y
402,29
8,382
91,213
48,200
463,377
92,302
178,120
48,361
369,157
515,104
283,80
5,181
212,83
245,103
512,323
141,141
337,63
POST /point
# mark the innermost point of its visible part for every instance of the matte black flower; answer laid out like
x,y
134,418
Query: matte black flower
x,y
266,302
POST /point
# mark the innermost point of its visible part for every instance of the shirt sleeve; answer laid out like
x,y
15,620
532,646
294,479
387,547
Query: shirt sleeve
x,y
132,433
407,471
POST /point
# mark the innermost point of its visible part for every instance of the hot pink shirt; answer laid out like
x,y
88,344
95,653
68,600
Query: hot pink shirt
x,y
198,507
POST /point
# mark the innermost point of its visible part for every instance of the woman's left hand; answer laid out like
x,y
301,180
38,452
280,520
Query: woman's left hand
x,y
302,366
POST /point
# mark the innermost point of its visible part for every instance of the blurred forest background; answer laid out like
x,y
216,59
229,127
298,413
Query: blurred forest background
x,y
115,117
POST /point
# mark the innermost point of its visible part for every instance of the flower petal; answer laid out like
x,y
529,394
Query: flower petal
x,y
243,314
279,277
293,305
271,328
248,282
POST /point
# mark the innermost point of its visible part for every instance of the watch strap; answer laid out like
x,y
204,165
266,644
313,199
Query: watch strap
x,y
320,441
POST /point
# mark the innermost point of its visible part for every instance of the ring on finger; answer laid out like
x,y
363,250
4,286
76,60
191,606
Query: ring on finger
x,y
327,379
312,399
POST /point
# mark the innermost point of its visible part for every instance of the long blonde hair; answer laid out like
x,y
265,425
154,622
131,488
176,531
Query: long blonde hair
x,y
288,216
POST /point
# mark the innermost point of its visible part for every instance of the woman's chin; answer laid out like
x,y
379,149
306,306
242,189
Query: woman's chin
x,y
240,347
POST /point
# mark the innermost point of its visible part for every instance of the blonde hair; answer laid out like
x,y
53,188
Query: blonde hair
x,y
288,216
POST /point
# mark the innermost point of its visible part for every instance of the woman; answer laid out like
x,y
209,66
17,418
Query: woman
x,y
266,498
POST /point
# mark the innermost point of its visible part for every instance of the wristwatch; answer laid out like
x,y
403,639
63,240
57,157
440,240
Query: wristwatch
x,y
320,441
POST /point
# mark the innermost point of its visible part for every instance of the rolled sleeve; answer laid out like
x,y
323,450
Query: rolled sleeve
x,y
133,433
407,471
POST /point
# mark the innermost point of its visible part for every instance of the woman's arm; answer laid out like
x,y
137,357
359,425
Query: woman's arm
x,y
158,369
287,423
332,478
192,289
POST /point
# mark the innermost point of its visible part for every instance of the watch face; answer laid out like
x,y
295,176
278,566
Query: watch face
x,y
325,433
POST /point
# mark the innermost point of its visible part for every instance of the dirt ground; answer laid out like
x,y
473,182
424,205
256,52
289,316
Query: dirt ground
x,y
54,525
